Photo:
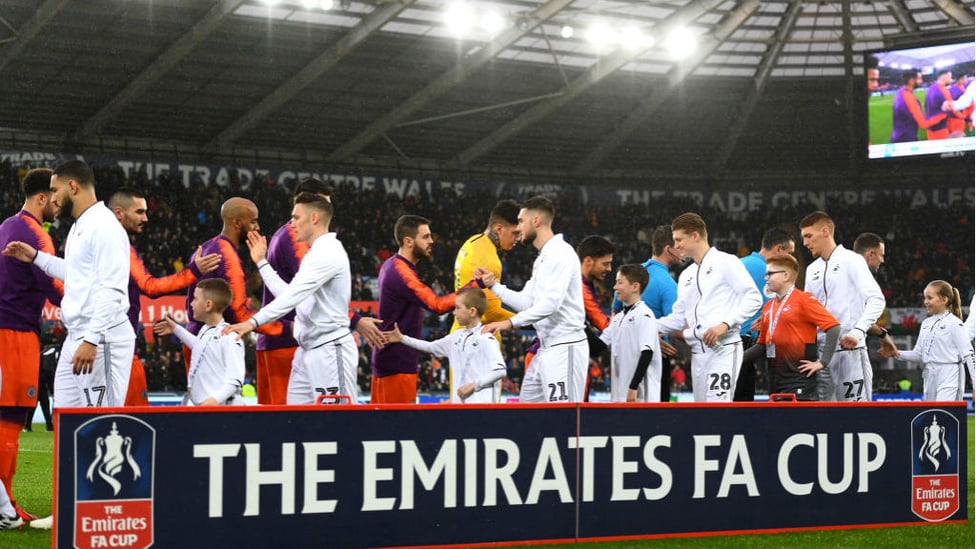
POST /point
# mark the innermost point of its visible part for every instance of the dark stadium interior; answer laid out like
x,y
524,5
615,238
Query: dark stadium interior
x,y
772,100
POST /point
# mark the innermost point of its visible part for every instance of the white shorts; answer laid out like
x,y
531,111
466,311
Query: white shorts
x,y
714,372
943,382
557,374
107,383
850,377
328,369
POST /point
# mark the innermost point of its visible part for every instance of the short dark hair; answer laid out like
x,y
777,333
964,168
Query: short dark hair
x,y
690,222
218,291
867,241
594,246
870,62
124,195
407,226
505,211
817,218
77,170
940,71
662,237
315,201
473,297
776,236
36,181
541,204
314,186
635,273
909,74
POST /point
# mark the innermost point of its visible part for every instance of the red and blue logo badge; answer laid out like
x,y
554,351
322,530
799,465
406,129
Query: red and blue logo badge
x,y
114,466
935,465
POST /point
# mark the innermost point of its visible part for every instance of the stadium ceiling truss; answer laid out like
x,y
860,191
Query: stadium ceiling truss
x,y
587,88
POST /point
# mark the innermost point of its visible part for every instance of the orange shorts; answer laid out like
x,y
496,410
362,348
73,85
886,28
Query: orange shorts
x,y
273,371
138,393
394,389
937,134
20,367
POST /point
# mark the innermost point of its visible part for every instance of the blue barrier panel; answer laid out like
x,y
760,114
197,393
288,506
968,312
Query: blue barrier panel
x,y
671,469
339,477
366,476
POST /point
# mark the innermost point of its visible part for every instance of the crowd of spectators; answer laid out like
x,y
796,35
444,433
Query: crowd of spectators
x,y
922,243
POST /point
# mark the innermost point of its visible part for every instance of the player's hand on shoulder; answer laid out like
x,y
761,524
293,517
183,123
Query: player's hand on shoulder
x,y
495,327
240,329
206,263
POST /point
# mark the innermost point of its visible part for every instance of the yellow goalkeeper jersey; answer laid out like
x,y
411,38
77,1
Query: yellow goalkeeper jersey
x,y
480,251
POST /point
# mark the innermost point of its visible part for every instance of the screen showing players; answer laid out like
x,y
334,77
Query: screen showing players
x,y
917,100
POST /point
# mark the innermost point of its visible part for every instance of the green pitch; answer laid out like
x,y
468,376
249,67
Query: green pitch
x,y
879,117
33,488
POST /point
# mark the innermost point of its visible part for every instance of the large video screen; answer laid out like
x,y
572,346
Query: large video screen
x,y
911,100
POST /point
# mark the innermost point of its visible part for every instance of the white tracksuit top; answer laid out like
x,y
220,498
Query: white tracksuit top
x,y
319,293
715,291
95,271
845,287
552,299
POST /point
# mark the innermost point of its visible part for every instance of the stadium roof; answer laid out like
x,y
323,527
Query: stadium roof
x,y
667,87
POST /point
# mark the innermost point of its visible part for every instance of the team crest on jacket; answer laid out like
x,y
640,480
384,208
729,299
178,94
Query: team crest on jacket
x,y
113,477
935,465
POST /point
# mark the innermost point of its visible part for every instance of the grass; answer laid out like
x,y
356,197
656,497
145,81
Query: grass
x,y
879,117
33,488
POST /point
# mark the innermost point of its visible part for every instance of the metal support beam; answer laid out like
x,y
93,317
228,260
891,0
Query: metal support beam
x,y
903,16
603,68
179,49
447,80
762,76
311,72
848,39
647,106
956,12
31,28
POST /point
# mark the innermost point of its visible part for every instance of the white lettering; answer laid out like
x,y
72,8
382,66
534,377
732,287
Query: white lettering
x,y
216,453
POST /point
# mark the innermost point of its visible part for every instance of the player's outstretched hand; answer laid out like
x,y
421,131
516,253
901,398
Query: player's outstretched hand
x,y
888,349
164,326
394,335
486,277
84,358
495,327
20,251
205,263
369,329
258,245
809,368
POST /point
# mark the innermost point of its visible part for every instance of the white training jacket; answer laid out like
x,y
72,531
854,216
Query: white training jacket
x,y
324,277
971,321
473,357
941,340
717,290
552,299
845,287
216,365
95,271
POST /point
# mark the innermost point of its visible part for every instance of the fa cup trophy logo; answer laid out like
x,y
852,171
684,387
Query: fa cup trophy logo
x,y
934,444
112,452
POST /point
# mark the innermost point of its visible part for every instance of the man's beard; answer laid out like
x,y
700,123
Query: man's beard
x,y
66,206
